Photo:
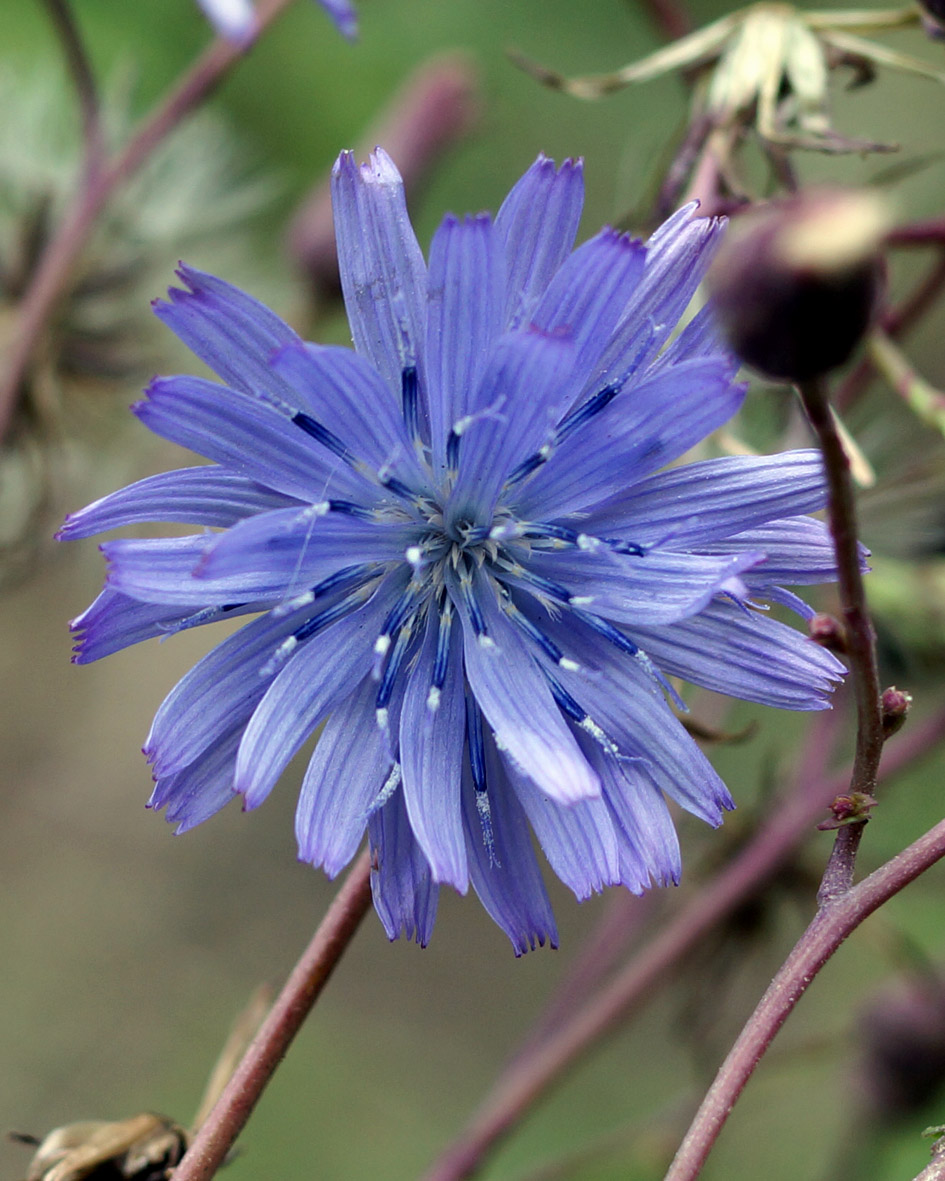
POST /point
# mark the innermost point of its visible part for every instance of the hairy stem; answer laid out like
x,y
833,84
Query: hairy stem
x,y
830,926
294,1003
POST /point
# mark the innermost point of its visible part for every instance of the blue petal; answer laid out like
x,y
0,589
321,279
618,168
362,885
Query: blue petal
x,y
641,430
589,295
249,438
197,495
229,330
745,655
221,689
504,871
405,895
578,840
700,502
515,699
233,19
344,17
623,701
316,677
538,222
383,275
659,587
344,777
677,258
345,393
466,303
195,794
431,756
798,551
647,841
526,381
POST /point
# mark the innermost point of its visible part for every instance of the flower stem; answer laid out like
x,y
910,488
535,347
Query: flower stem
x,y
93,192
529,1076
861,647
83,79
229,1115
830,926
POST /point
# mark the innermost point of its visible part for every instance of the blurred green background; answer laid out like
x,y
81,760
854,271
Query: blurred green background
x,y
126,952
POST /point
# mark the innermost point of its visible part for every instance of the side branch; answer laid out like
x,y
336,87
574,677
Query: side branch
x,y
832,924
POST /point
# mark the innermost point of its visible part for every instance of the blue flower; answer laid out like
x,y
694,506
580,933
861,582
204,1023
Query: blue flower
x,y
462,555
236,19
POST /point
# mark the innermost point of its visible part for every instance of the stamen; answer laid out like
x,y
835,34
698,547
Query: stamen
x,y
205,615
349,576
534,633
391,783
485,823
321,434
477,751
625,644
410,401
350,509
394,664
578,715
310,628
590,409
441,658
452,450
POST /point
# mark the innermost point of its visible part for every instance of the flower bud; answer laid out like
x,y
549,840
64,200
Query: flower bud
x,y
828,632
796,282
895,706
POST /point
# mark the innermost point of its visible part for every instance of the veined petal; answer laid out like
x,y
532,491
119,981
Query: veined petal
x,y
589,295
729,650
711,500
345,775
207,495
578,840
318,676
383,275
347,394
199,791
661,586
526,381
431,757
249,438
642,429
798,551
503,869
516,701
228,330
405,895
466,298
538,223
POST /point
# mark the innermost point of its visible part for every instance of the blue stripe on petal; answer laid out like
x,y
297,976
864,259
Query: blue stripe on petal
x,y
383,275
642,429
518,705
344,776
346,393
315,678
431,757
526,380
466,303
538,223
505,874
405,895
248,437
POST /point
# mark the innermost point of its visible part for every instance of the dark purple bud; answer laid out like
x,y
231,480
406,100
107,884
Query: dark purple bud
x,y
796,283
895,704
828,632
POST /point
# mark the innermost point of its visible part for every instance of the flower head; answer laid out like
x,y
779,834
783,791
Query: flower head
x,y
462,555
236,19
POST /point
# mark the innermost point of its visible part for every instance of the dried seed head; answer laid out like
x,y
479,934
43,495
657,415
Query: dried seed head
x,y
796,282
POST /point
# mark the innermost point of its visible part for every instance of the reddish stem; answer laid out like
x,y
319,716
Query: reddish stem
x,y
294,1003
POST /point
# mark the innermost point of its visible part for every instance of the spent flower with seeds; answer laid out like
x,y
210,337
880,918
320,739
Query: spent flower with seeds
x,y
462,554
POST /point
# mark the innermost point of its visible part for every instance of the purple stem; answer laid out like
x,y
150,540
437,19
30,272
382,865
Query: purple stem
x,y
527,1078
293,1004
92,194
832,924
